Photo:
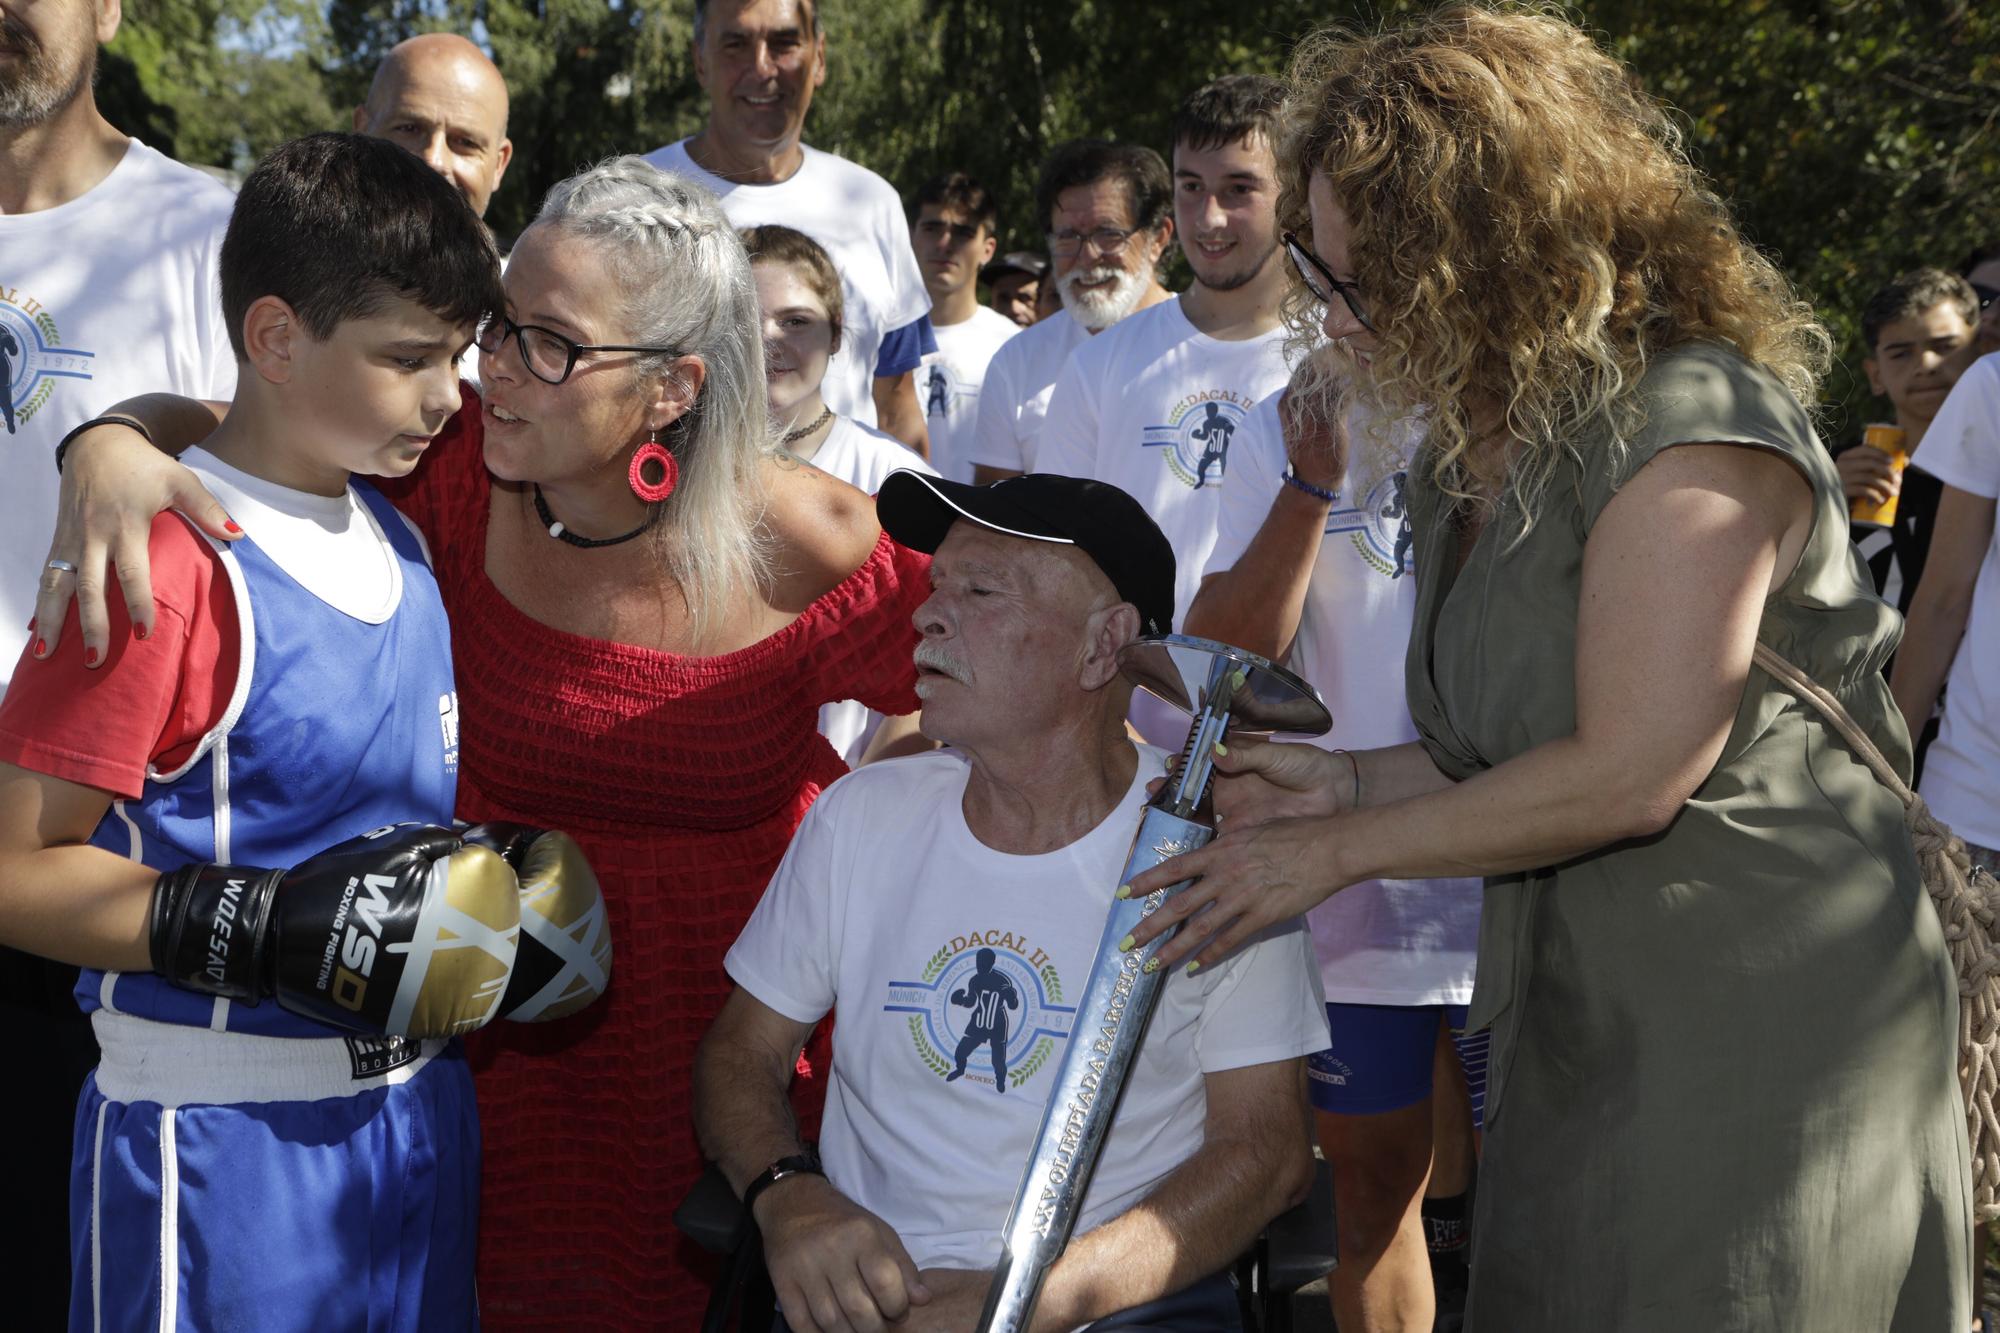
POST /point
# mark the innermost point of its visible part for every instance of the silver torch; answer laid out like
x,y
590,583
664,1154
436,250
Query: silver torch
x,y
1226,689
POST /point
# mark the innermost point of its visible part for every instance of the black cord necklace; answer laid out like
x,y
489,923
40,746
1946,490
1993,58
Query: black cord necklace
x,y
563,534
808,428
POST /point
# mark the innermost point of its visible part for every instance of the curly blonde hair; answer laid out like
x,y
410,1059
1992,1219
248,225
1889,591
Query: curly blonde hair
x,y
1528,232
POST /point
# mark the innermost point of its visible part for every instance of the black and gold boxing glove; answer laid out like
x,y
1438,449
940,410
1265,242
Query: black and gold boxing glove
x,y
565,954
407,931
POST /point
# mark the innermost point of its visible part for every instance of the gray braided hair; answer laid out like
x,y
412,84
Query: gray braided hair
x,y
687,285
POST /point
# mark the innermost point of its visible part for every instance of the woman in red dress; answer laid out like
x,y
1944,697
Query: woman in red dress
x,y
643,673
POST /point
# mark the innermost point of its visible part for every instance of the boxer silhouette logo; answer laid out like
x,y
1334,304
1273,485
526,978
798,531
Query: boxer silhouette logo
x,y
1196,436
988,1009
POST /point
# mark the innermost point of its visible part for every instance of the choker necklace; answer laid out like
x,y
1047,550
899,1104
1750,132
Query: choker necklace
x,y
808,429
563,534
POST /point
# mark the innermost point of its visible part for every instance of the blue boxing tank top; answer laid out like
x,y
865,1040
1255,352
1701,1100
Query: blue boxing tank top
x,y
338,724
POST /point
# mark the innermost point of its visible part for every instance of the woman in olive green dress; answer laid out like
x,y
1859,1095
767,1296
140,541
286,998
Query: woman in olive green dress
x,y
1722,1092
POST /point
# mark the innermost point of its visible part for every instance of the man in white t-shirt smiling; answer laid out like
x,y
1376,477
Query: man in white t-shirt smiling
x,y
1152,405
951,222
109,287
760,61
1107,208
946,907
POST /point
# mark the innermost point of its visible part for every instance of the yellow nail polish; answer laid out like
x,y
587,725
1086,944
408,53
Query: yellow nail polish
x,y
1124,891
1152,966
1220,748
1125,945
1193,968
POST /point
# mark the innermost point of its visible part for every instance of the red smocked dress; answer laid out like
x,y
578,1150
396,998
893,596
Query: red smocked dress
x,y
683,779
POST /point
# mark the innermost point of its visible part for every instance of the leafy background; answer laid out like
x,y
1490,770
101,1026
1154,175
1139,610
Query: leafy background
x,y
1855,139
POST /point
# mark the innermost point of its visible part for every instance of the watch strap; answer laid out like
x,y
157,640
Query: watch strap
x,y
804,1163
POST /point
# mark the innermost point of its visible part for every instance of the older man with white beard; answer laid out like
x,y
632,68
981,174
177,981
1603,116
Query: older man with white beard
x,y
1108,211
1152,406
942,907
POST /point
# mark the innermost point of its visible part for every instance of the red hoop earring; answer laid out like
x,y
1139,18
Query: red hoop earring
x,y
652,492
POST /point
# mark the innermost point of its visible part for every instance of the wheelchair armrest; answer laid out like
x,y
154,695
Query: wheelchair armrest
x,y
1300,1242
711,1214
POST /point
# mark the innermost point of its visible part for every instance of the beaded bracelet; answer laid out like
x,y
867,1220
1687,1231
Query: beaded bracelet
x,y
1296,482
108,419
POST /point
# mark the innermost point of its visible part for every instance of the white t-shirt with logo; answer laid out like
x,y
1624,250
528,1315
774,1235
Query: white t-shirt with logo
x,y
863,457
858,218
948,386
1388,941
938,953
1015,397
115,293
1152,405
1962,768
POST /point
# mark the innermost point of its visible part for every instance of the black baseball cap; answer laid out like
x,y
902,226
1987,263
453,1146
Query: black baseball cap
x,y
1019,261
1100,520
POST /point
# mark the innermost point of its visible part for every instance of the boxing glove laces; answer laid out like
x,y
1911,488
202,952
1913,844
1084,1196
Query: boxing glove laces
x,y
405,931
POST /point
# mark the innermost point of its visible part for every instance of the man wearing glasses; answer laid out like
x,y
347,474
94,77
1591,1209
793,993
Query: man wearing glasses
x,y
1107,210
1982,270
1153,406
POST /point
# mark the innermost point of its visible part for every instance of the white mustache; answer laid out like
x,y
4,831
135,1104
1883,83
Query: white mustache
x,y
934,657
1095,273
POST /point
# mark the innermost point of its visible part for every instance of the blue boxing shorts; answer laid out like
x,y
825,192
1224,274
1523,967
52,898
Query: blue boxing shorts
x,y
1382,1058
222,1180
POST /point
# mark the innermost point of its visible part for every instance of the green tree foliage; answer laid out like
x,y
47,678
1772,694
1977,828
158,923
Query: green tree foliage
x,y
217,82
1855,138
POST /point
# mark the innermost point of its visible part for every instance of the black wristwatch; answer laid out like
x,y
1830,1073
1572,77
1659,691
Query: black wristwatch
x,y
801,1164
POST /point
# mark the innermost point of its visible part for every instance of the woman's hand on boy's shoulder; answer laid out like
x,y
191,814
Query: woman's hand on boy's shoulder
x,y
114,485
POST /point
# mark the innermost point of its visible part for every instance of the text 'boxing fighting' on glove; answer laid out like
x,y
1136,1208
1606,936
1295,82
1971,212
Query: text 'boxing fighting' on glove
x,y
406,931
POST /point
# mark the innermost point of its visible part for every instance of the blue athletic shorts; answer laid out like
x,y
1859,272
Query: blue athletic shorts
x,y
309,1183
1381,1058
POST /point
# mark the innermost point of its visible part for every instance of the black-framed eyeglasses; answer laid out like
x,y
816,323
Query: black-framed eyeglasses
x,y
1104,240
548,355
1987,295
1319,280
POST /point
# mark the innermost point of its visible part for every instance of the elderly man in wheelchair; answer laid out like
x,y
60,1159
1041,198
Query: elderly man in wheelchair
x,y
944,907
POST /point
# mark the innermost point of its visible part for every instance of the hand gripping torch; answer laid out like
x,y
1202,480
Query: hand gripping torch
x,y
1224,688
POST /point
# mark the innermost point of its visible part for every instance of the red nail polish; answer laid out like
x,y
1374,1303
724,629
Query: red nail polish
x,y
231,525
90,657
41,647
140,631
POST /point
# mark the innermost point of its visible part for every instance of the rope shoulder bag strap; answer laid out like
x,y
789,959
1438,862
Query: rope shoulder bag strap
x,y
1968,906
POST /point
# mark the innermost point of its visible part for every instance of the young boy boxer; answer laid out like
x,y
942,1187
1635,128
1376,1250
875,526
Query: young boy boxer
x,y
239,1160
